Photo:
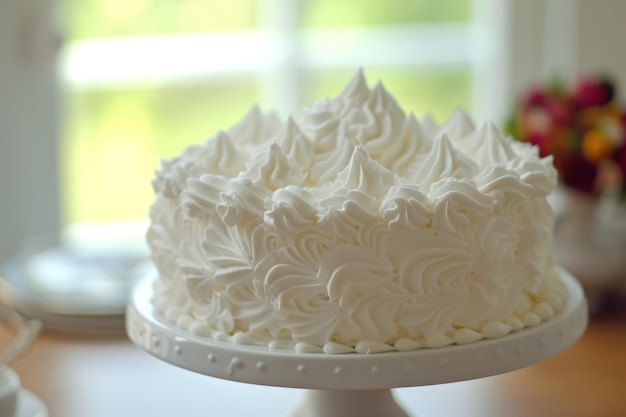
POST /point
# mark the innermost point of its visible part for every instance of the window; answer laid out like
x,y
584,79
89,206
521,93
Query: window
x,y
142,79
145,78
139,84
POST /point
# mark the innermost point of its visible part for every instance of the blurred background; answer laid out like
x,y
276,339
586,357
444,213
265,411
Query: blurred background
x,y
94,93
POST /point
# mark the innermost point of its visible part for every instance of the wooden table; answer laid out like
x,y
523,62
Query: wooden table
x,y
81,376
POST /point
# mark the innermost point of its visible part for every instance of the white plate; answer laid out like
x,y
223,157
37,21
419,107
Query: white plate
x,y
29,405
73,287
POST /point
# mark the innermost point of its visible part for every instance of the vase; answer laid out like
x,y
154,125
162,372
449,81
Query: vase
x,y
588,243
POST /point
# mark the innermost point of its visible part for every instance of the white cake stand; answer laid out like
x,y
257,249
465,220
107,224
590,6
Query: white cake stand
x,y
353,385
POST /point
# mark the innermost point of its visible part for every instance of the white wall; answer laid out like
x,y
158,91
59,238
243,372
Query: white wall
x,y
601,44
542,39
29,185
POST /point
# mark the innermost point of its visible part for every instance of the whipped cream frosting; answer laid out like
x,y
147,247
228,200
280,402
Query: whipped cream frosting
x,y
355,227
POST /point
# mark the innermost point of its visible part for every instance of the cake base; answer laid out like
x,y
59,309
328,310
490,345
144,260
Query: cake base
x,y
334,378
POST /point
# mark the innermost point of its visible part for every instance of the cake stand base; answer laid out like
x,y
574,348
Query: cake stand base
x,y
353,385
348,403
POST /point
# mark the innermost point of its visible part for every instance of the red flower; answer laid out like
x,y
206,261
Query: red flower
x,y
539,140
535,98
559,110
591,92
577,173
620,159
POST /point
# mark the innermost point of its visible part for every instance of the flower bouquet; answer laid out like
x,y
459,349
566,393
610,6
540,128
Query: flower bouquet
x,y
583,127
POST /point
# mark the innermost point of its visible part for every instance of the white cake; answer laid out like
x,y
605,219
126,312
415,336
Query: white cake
x,y
355,228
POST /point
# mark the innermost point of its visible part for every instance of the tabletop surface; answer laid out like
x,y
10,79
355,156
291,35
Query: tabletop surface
x,y
102,376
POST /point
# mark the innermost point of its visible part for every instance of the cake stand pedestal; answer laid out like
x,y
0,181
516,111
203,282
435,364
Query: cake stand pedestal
x,y
353,385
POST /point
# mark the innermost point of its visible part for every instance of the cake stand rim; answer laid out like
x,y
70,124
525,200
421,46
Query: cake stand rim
x,y
286,368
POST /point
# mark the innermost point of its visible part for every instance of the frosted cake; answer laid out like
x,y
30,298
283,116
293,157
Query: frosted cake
x,y
355,227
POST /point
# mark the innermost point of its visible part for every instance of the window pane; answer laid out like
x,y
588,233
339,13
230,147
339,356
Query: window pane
x,y
383,12
113,18
121,121
114,139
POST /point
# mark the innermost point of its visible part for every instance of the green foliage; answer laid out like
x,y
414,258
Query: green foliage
x,y
86,19
383,12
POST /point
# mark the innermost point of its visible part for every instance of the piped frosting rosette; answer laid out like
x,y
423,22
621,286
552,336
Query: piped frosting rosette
x,y
355,227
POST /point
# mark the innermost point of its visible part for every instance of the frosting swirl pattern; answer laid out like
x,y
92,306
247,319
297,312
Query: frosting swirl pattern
x,y
355,228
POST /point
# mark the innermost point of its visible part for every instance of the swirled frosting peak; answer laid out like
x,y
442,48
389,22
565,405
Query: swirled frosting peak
x,y
355,227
